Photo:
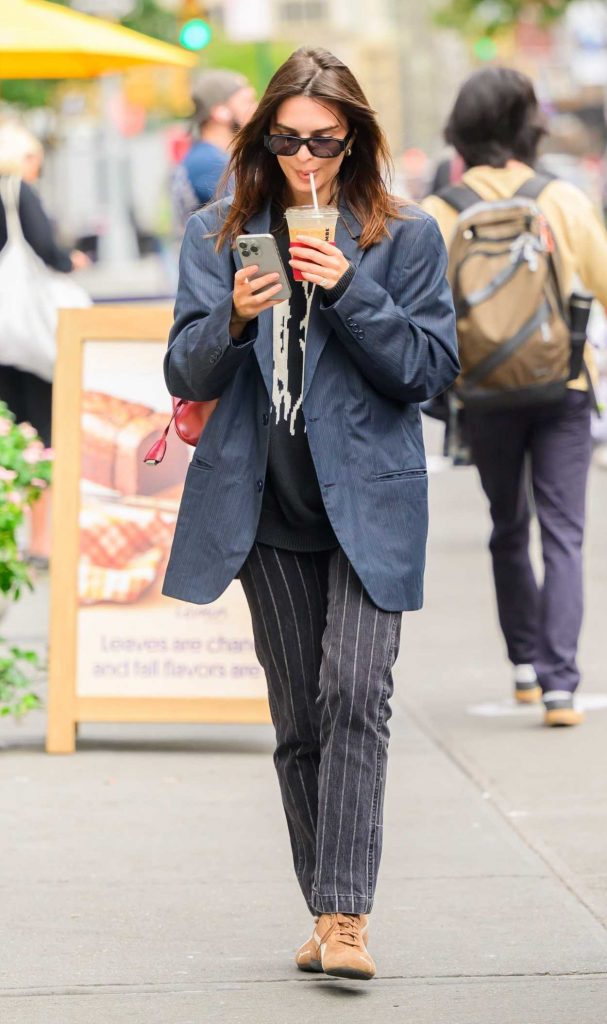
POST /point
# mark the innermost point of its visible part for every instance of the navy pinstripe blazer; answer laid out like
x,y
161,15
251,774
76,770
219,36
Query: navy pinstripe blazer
x,y
387,344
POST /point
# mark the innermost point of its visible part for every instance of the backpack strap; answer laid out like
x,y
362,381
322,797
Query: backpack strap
x,y
533,188
460,197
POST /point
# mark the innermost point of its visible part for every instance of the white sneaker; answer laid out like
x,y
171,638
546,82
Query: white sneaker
x,y
527,689
561,709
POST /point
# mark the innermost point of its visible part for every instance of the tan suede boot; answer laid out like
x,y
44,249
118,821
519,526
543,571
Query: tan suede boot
x,y
307,957
343,951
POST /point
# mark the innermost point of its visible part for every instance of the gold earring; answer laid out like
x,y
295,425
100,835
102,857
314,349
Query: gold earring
x,y
349,151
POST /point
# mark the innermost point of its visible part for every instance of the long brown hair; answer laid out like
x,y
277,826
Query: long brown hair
x,y
362,176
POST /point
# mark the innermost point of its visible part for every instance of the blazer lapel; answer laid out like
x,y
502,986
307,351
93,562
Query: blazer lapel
x,y
259,224
347,234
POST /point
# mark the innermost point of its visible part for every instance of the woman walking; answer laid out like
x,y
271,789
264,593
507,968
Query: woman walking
x,y
29,395
309,482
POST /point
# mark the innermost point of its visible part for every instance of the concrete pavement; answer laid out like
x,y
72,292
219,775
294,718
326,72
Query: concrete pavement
x,y
147,879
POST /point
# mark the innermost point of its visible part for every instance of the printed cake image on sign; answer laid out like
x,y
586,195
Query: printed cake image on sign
x,y
122,550
116,434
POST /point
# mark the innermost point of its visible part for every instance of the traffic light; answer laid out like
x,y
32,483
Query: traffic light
x,y
485,48
195,32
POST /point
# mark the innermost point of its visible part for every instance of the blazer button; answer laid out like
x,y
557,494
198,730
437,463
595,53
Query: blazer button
x,y
259,485
361,335
265,419
213,358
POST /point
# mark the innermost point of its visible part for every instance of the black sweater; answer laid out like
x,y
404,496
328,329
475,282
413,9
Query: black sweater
x,y
293,514
37,230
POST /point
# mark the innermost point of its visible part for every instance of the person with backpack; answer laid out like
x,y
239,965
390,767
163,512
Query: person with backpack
x,y
520,246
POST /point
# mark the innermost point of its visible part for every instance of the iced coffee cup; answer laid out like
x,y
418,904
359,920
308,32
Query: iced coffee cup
x,y
317,223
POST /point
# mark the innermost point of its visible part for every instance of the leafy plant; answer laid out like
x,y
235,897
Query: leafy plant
x,y
19,670
492,15
25,472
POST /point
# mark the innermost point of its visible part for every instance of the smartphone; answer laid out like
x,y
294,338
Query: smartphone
x,y
262,250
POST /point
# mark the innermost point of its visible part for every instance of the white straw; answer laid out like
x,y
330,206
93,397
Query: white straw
x,y
313,187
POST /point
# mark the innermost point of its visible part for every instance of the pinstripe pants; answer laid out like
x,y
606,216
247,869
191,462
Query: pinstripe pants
x,y
327,652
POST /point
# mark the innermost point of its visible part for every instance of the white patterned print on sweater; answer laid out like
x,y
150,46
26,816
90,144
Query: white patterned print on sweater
x,y
287,395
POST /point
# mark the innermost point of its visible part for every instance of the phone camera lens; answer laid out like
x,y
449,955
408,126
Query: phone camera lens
x,y
242,245
255,249
245,252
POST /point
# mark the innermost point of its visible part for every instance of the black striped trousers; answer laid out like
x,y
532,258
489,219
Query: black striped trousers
x,y
327,652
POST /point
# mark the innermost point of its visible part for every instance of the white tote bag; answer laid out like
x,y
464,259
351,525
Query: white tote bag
x,y
30,296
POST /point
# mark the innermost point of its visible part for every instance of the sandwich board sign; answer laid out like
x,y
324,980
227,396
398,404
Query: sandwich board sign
x,y
119,650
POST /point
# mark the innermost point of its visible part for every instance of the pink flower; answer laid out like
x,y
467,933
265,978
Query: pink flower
x,y
13,498
7,474
47,455
27,430
37,482
5,426
33,453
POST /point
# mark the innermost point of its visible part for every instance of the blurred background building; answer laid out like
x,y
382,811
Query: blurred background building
x,y
409,65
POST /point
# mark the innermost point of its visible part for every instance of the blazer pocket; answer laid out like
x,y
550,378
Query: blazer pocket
x,y
401,474
201,463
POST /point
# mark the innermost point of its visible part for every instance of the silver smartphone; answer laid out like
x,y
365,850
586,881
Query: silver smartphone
x,y
262,250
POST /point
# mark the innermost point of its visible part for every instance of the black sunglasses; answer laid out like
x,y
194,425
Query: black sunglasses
x,y
321,146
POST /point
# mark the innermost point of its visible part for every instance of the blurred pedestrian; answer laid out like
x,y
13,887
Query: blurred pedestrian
x,y
29,396
223,102
541,432
448,171
311,485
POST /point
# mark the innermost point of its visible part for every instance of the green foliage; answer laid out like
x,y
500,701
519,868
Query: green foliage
x,y
489,16
154,21
257,61
19,671
25,472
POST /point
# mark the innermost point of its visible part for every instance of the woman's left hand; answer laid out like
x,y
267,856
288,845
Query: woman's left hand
x,y
320,262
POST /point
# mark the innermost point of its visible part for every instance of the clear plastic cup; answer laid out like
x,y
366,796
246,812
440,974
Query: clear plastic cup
x,y
317,223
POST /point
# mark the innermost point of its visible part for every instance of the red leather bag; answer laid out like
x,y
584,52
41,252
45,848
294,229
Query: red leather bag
x,y
190,419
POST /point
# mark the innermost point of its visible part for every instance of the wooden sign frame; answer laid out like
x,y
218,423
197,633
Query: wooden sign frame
x,y
66,709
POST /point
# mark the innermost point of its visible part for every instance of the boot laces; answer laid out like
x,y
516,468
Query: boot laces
x,y
348,929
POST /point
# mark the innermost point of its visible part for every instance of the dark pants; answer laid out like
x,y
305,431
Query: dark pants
x,y
29,398
541,624
327,652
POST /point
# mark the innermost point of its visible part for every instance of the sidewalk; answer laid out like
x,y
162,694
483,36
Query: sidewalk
x,y
147,879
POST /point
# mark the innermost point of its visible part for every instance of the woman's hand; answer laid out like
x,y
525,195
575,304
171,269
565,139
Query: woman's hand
x,y
320,262
252,297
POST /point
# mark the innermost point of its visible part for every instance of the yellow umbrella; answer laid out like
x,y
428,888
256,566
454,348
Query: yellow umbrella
x,y
43,40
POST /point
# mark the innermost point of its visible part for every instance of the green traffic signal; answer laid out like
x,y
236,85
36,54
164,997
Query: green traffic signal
x,y
195,34
485,48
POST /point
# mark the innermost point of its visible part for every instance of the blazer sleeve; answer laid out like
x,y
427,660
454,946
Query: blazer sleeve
x,y
38,231
202,357
403,340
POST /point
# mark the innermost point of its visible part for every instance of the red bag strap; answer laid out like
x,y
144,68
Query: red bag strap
x,y
158,450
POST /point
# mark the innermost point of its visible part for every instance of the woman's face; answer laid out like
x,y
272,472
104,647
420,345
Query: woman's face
x,y
303,116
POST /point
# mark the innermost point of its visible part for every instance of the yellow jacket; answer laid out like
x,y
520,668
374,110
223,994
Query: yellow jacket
x,y
580,235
